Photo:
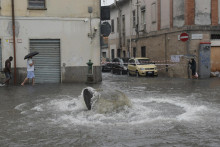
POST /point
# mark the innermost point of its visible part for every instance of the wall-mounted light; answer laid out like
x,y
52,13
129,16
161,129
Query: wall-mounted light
x,y
90,9
92,32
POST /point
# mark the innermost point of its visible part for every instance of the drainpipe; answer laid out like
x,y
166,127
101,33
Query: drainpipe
x,y
14,45
137,27
119,19
130,28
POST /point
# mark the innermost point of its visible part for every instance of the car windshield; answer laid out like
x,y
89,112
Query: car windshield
x,y
143,61
125,61
121,61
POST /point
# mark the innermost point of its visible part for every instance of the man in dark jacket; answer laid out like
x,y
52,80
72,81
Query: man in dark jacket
x,y
193,67
7,70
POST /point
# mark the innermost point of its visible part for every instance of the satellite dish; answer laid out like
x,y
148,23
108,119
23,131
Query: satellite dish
x,y
105,29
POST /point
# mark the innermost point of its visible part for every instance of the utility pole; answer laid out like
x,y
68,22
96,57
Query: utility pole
x,y
14,43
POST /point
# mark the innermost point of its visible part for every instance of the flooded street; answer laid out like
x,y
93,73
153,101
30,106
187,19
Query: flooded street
x,y
165,112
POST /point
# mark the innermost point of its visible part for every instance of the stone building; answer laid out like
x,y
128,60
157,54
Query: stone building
x,y
169,32
66,34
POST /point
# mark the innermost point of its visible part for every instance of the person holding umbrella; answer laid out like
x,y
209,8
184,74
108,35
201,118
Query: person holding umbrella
x,y
30,71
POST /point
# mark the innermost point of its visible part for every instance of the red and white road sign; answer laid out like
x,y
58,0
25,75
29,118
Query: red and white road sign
x,y
184,37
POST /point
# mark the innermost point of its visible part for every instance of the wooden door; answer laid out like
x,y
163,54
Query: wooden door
x,y
215,58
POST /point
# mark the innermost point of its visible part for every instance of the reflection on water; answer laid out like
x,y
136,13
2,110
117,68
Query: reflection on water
x,y
164,112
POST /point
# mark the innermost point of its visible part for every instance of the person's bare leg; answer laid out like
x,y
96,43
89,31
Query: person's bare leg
x,y
33,81
25,80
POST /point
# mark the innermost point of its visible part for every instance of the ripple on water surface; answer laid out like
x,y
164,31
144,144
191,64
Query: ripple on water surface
x,y
65,110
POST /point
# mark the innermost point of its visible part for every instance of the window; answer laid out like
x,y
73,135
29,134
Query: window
x,y
124,54
119,53
112,24
215,36
153,13
104,54
36,4
134,19
113,53
143,61
134,52
131,61
143,15
143,51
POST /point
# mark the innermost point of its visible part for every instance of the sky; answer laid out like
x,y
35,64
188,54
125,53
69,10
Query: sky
x,y
107,2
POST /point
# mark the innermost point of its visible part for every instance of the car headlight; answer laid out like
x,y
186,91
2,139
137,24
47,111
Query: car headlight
x,y
141,68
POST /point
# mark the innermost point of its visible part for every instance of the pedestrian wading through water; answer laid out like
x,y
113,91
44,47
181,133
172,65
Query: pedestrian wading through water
x,y
192,64
7,70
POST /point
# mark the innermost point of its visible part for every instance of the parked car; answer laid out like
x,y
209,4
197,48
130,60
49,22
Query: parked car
x,y
119,66
142,67
125,61
106,65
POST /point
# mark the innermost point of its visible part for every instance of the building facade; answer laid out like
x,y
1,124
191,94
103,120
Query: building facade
x,y
65,33
156,29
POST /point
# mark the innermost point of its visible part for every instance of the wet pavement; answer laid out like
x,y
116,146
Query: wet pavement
x,y
165,112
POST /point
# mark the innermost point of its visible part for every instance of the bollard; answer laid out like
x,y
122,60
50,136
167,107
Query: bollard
x,y
90,78
89,67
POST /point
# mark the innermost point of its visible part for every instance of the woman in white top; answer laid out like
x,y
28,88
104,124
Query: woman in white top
x,y
30,71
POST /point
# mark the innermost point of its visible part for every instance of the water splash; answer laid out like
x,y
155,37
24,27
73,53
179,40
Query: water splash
x,y
66,111
105,101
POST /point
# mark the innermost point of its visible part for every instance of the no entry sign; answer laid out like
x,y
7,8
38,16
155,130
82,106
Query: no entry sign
x,y
184,37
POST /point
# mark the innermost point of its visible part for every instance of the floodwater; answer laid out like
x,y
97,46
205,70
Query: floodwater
x,y
165,112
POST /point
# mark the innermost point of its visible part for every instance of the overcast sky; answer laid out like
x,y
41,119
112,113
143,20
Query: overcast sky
x,y
107,2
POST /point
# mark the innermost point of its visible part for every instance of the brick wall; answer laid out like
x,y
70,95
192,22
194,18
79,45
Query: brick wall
x,y
214,12
171,13
189,12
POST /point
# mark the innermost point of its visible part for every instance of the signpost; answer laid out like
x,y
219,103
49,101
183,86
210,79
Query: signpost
x,y
184,37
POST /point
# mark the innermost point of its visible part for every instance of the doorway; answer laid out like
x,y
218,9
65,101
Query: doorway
x,y
47,62
215,60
